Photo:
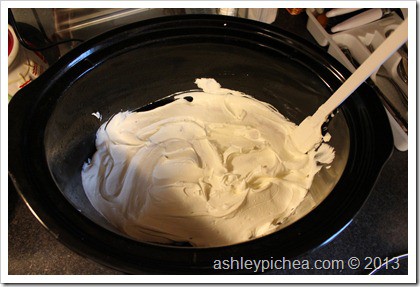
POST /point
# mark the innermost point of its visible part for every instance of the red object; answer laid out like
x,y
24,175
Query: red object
x,y
25,83
11,42
322,19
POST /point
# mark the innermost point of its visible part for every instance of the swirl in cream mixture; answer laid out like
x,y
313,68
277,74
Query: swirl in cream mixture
x,y
217,170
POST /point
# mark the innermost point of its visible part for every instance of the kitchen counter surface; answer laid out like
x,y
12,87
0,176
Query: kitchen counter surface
x,y
379,230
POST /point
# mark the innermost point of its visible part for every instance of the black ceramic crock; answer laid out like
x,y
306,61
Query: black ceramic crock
x,y
52,130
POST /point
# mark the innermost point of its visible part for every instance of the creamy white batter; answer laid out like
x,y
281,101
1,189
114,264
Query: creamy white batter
x,y
215,171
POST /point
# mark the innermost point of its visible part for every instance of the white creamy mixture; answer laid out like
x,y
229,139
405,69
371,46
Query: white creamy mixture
x,y
213,171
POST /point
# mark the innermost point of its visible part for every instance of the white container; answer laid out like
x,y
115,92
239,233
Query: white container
x,y
357,41
24,65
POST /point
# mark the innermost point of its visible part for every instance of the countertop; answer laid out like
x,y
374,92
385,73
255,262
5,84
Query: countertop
x,y
379,230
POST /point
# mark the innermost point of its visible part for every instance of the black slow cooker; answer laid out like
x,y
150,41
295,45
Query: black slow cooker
x,y
52,130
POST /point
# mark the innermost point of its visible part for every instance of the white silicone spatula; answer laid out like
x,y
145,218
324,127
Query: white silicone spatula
x,y
308,133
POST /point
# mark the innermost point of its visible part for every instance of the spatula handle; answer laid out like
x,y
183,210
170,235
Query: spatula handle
x,y
372,63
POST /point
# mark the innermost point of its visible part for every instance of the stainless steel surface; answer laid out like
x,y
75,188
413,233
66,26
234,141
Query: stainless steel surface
x,y
393,105
383,73
402,69
82,18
